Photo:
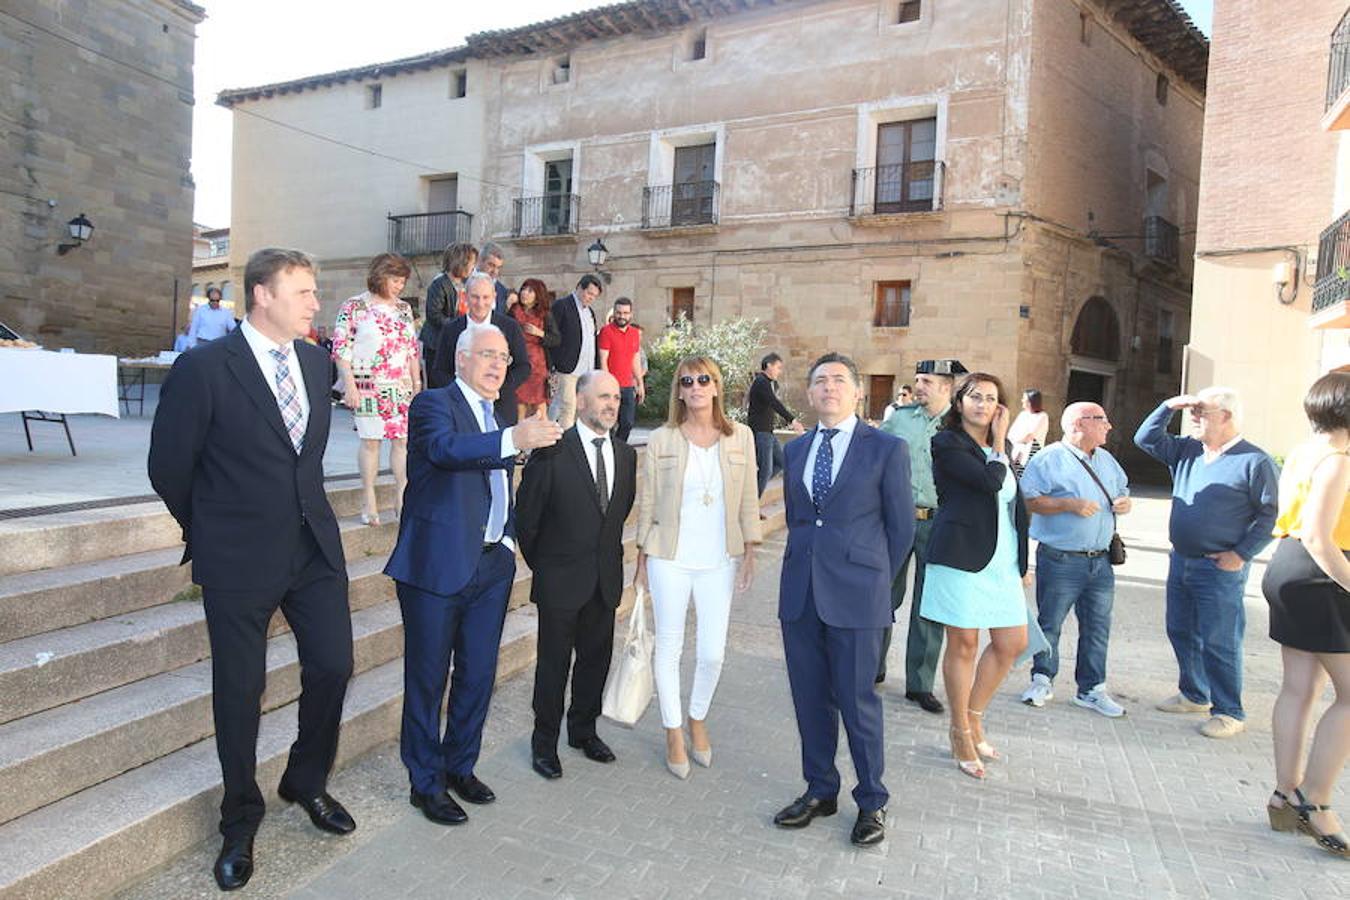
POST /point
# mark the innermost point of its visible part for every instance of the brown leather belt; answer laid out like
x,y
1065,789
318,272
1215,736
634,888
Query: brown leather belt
x,y
924,513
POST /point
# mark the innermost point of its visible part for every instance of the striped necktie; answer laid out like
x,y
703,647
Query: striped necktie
x,y
288,399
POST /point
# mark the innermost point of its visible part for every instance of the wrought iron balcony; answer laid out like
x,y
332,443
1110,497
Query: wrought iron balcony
x,y
1333,266
1338,66
1162,240
886,190
680,205
546,214
419,234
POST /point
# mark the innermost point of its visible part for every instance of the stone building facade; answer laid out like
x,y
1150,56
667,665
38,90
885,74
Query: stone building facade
x,y
96,119
1271,311
995,180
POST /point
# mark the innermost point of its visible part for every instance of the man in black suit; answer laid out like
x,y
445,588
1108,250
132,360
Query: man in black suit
x,y
236,453
490,263
570,510
479,296
578,352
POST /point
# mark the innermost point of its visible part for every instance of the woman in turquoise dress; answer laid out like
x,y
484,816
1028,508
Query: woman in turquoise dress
x,y
977,561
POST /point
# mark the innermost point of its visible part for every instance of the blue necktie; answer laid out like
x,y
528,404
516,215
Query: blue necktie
x,y
823,474
496,523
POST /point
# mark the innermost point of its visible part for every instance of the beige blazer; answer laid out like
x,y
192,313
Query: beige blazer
x,y
661,490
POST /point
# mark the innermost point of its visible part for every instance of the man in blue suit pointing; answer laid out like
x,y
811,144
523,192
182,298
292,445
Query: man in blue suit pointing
x,y
454,565
850,517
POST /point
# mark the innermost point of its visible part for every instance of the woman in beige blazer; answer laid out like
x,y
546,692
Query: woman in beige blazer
x,y
698,515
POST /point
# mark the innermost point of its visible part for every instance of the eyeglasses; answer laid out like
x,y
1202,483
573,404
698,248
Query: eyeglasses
x,y
688,380
1092,418
979,399
493,356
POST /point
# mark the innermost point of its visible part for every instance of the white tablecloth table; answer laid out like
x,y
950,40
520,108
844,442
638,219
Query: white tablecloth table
x,y
57,382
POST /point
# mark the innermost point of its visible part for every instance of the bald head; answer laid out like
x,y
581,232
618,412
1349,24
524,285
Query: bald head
x,y
1085,426
598,400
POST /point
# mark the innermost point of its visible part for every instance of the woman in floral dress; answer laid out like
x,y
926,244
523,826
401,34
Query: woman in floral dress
x,y
376,350
531,311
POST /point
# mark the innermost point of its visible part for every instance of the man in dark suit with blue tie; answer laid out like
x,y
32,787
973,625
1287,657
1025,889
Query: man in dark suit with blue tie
x,y
454,564
850,517
236,453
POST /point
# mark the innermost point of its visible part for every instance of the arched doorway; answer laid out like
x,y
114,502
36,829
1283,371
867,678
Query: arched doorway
x,y
1094,352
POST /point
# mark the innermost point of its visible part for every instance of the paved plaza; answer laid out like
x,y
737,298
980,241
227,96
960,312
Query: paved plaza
x,y
1082,806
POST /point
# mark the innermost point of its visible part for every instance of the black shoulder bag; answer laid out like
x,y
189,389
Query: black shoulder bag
x,y
1116,550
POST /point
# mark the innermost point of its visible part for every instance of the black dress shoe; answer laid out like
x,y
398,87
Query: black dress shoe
x,y
470,789
439,807
870,828
234,865
927,702
326,813
800,812
594,748
547,764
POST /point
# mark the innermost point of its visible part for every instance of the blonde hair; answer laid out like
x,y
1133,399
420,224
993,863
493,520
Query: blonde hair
x,y
696,365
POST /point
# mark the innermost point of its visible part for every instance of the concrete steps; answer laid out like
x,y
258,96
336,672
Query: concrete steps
x,y
107,756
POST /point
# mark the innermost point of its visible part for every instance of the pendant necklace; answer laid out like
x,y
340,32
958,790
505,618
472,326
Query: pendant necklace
x,y
703,474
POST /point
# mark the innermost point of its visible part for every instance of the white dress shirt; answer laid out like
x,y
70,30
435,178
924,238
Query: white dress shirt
x,y
607,448
261,345
839,445
508,451
1211,455
210,324
586,322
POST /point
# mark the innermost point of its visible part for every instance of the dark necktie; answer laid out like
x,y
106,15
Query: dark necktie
x,y
823,474
601,476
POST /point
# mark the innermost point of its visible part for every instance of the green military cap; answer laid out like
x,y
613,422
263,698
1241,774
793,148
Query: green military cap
x,y
940,367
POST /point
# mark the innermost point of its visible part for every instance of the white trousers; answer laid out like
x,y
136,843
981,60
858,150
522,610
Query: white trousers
x,y
671,586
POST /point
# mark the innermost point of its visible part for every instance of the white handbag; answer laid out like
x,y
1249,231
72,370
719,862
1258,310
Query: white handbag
x,y
629,689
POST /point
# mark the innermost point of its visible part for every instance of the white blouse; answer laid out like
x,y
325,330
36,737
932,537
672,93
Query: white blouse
x,y
702,542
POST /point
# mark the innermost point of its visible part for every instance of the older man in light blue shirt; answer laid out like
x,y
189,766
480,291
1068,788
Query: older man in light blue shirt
x,y
1073,516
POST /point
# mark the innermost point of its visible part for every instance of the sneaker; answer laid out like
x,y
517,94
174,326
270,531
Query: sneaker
x,y
1040,691
1100,701
1179,704
1222,726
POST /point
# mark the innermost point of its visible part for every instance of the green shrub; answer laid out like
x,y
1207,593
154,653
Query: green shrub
x,y
731,343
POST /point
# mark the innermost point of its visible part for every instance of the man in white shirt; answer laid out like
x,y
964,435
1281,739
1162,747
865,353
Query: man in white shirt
x,y
210,322
573,500
576,354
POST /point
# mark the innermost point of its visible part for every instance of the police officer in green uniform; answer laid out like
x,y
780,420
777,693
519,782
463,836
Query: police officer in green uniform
x,y
917,422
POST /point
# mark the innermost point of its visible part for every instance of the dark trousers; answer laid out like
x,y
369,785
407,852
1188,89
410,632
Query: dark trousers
x,y
627,412
768,457
830,672
589,632
923,643
464,629
314,601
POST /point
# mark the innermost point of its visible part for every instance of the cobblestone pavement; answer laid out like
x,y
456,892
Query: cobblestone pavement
x,y
1082,806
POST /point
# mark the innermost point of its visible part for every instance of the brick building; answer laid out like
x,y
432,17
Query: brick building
x,y
1006,181
96,119
1271,310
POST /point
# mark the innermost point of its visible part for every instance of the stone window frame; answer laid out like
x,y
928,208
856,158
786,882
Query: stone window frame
x,y
905,310
871,116
548,66
888,18
533,158
680,58
661,151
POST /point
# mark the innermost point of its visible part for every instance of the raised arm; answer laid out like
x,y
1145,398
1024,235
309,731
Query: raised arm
x,y
431,429
952,459
1152,436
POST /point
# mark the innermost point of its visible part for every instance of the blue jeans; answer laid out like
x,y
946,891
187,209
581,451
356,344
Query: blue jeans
x,y
627,412
1205,622
768,457
1088,587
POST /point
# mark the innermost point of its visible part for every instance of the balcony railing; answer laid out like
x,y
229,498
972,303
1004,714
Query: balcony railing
x,y
419,234
680,205
1338,66
1333,265
1162,240
885,190
546,214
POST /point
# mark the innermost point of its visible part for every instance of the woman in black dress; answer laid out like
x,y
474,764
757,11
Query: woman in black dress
x,y
1307,585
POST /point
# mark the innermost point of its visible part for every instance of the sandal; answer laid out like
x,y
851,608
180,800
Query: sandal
x,y
1289,816
1336,843
982,746
961,740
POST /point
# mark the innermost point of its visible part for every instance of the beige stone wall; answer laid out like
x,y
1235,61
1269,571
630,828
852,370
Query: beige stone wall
x,y
81,132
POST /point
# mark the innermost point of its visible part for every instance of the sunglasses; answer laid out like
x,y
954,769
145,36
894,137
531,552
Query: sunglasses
x,y
688,380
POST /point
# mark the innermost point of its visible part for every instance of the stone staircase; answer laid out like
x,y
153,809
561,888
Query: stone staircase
x,y
107,759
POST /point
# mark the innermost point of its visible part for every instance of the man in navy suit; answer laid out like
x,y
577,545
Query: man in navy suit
x,y
236,453
850,517
454,564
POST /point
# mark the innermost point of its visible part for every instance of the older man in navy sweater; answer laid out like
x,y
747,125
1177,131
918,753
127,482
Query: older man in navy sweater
x,y
1223,508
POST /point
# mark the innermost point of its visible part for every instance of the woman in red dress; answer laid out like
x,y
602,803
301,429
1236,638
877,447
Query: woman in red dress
x,y
531,311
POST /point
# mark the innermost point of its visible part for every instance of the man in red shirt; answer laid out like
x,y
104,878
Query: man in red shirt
x,y
619,343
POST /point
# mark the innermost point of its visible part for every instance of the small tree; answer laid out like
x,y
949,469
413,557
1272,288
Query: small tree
x,y
731,343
